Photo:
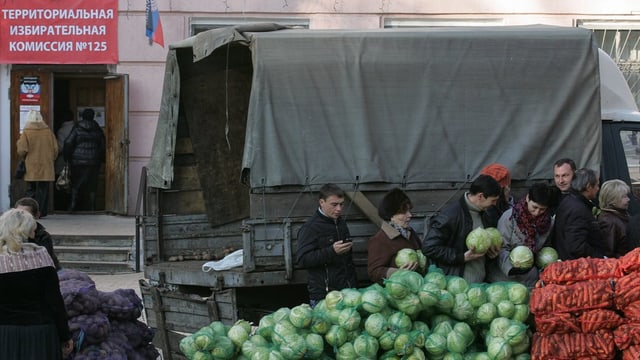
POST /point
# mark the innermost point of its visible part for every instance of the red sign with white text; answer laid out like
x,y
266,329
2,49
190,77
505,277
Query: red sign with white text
x,y
59,32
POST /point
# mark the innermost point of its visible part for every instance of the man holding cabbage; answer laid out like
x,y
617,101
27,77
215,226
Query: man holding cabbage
x,y
445,240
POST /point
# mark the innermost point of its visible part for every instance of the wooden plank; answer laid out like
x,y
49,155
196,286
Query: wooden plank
x,y
160,319
190,273
174,345
372,213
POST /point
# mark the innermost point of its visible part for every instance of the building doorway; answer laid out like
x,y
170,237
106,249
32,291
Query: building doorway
x,y
65,92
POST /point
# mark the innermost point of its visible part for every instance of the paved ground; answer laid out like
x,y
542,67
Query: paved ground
x,y
89,224
108,283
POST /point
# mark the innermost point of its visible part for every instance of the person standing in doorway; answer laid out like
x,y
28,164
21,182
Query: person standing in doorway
x,y
84,151
62,133
61,195
38,146
324,246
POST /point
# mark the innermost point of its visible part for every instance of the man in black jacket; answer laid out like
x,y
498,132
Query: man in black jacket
x,y
42,236
324,247
576,232
445,241
84,151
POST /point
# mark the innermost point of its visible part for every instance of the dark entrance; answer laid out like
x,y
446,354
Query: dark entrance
x,y
66,91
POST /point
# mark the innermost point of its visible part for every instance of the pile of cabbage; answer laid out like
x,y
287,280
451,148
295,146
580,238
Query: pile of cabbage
x,y
410,317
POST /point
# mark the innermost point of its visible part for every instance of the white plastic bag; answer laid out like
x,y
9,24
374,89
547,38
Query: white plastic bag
x,y
228,262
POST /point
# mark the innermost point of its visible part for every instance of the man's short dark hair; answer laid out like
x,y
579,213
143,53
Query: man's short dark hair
x,y
485,184
330,189
30,203
563,161
88,114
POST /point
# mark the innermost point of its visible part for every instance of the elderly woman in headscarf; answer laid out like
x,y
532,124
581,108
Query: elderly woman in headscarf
x,y
527,223
395,209
39,148
503,176
614,218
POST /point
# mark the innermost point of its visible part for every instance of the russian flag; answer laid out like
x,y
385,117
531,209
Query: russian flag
x,y
154,26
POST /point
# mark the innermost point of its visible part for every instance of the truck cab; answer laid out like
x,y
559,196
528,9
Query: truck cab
x,y
620,129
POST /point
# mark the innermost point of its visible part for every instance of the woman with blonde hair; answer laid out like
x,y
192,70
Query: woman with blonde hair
x,y
38,147
33,319
613,219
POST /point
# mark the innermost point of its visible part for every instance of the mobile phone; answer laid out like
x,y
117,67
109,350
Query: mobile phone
x,y
347,240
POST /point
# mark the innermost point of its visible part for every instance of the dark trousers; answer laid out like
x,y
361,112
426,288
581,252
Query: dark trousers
x,y
39,190
84,179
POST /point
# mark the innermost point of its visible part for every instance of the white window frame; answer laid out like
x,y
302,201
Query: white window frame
x,y
206,23
397,22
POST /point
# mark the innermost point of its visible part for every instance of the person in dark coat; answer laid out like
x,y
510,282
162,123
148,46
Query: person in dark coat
x,y
633,231
84,150
576,232
42,236
324,247
614,218
395,209
445,240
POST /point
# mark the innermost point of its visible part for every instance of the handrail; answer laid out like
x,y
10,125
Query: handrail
x,y
141,204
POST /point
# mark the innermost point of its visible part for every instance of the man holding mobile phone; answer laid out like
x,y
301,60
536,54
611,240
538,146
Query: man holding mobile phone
x,y
324,246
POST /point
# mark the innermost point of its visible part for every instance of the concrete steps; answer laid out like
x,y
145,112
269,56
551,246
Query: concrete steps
x,y
97,244
95,253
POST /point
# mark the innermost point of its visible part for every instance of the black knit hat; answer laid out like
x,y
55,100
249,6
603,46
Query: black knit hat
x,y
393,202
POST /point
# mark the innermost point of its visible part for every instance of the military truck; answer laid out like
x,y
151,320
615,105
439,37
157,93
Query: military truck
x,y
254,119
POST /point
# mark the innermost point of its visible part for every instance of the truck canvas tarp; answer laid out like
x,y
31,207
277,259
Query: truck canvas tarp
x,y
398,106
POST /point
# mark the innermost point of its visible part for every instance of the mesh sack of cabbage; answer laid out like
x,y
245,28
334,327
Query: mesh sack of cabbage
x,y
80,297
120,304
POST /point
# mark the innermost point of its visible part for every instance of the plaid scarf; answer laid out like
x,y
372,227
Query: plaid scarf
x,y
530,225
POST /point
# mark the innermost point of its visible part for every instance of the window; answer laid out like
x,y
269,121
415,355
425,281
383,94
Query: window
x,y
198,25
435,22
621,40
631,144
